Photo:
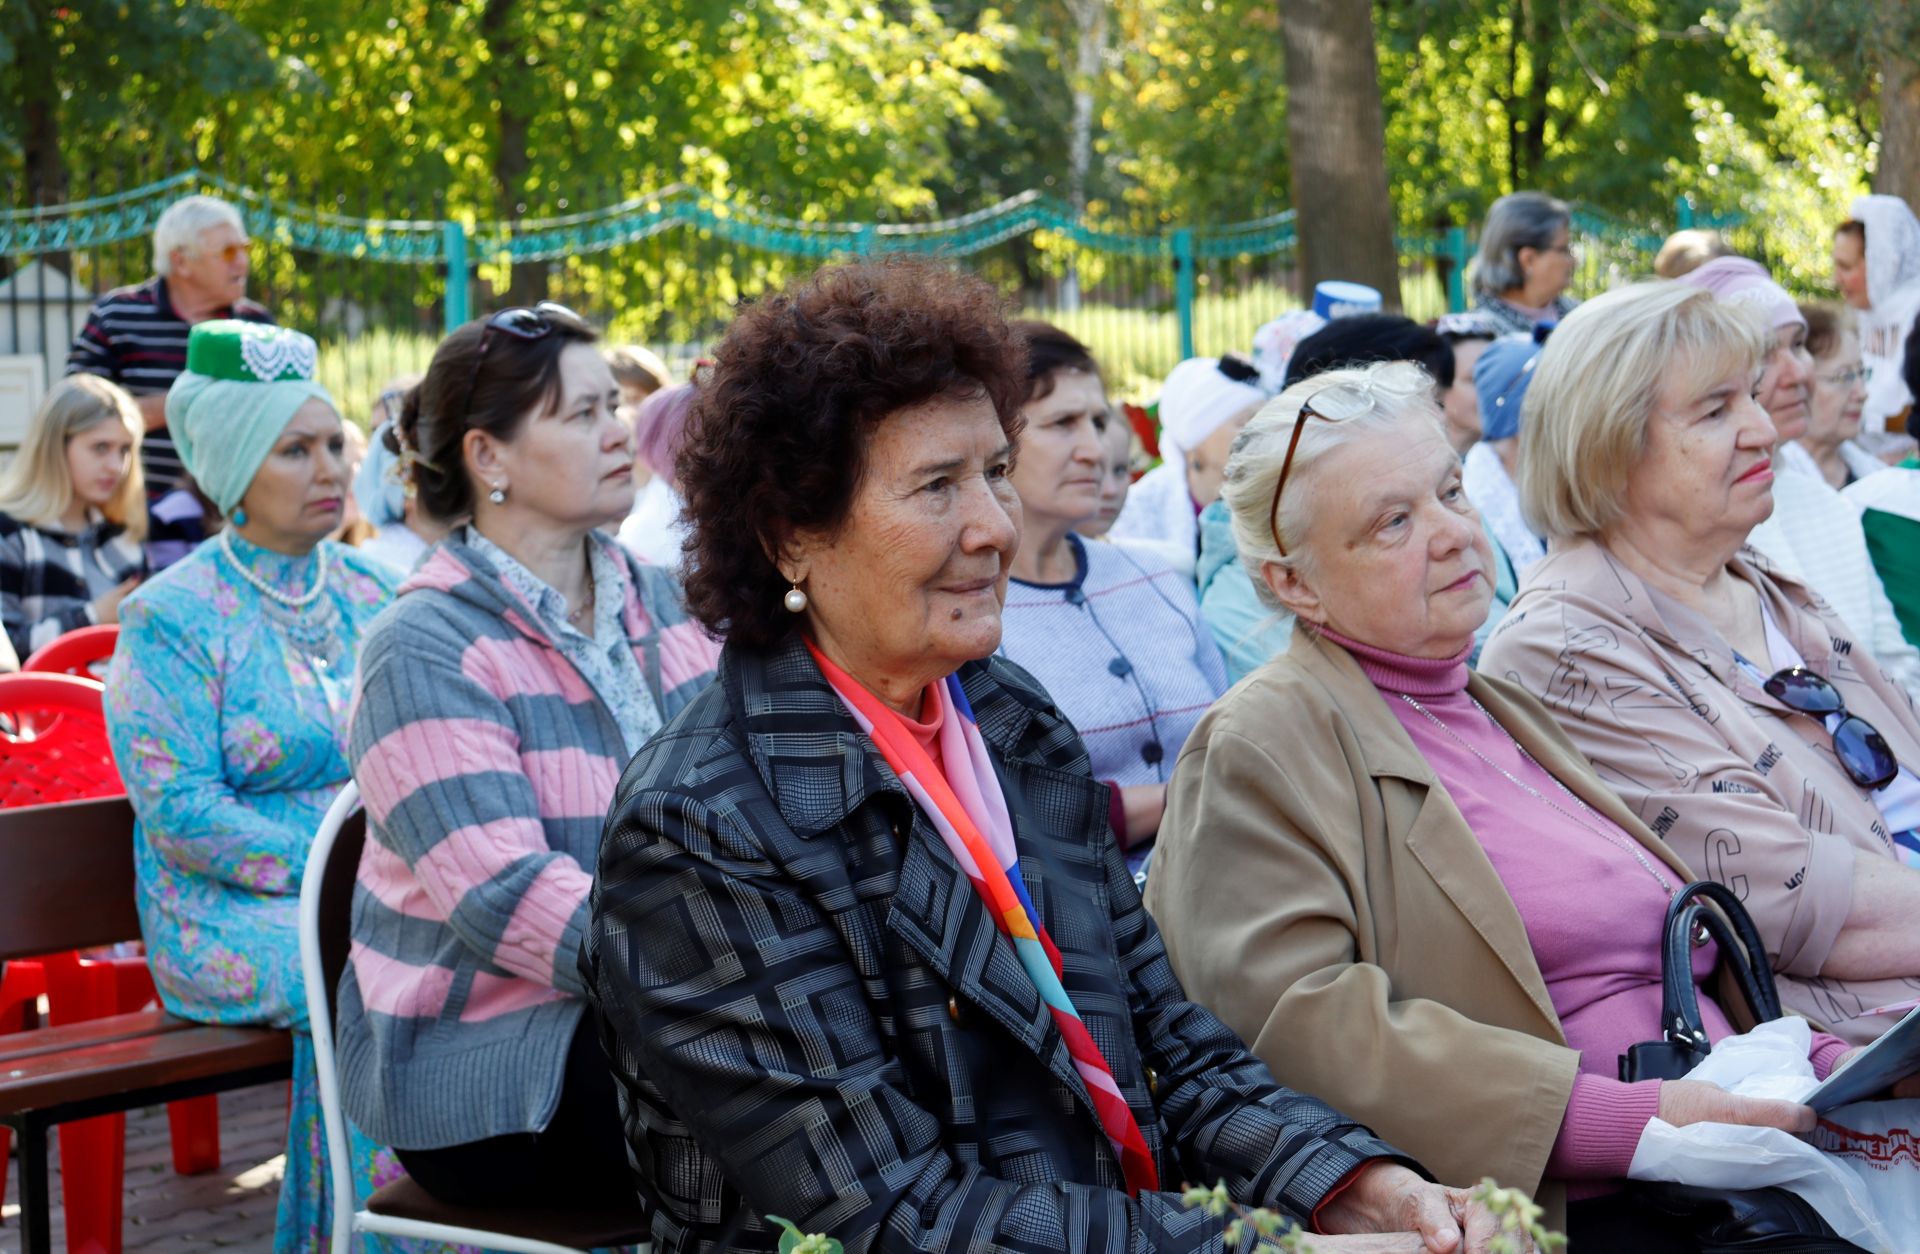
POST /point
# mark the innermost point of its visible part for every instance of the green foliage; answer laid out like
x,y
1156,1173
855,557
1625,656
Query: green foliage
x,y
793,1241
1516,1216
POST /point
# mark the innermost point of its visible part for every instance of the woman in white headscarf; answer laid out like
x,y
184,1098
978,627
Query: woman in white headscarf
x,y
1205,402
1890,257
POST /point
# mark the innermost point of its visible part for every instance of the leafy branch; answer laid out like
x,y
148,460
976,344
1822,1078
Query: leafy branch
x,y
1517,1214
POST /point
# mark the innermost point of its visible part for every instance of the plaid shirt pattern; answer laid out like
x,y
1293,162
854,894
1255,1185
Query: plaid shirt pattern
x,y
810,1014
49,579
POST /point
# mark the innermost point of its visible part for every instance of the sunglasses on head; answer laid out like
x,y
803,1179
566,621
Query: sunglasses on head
x,y
1863,752
521,323
1338,403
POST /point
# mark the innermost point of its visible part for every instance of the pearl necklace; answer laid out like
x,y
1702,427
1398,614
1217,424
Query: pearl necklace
x,y
1536,794
266,589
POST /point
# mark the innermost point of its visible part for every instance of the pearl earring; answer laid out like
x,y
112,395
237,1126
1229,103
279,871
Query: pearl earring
x,y
498,496
796,600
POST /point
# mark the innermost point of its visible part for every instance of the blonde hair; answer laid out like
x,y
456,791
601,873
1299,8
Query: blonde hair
x,y
38,488
635,366
1600,379
1688,250
1253,466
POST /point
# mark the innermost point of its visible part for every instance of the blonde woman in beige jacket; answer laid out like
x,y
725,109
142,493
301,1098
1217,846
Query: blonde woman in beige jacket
x,y
1396,877
1693,675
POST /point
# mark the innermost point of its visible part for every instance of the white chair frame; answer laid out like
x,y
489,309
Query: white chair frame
x,y
348,1218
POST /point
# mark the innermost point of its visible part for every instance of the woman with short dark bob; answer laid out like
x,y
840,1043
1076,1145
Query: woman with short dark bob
x,y
865,953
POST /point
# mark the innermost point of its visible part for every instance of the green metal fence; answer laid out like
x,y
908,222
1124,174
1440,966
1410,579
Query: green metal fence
x,y
669,269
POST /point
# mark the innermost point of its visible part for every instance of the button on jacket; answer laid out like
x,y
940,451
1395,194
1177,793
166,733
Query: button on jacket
x,y
811,1014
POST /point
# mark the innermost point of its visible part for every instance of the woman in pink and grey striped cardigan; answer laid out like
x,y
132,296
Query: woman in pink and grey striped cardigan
x,y
526,659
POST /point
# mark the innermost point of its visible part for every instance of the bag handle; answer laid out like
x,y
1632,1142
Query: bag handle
x,y
1714,908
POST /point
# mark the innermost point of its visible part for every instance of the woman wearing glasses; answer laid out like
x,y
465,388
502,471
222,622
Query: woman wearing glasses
x,y
1395,876
1839,396
521,665
1729,706
1525,263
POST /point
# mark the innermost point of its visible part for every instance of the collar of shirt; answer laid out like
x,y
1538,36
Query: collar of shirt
x,y
609,591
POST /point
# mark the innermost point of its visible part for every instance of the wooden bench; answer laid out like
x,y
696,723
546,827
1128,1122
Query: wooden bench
x,y
66,882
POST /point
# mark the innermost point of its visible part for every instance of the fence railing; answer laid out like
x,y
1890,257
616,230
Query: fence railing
x,y
669,269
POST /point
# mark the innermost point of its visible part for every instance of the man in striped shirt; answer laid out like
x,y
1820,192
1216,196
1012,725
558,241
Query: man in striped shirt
x,y
137,336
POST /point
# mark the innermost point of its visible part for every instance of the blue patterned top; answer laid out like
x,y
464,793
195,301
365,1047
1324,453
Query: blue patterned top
x,y
228,716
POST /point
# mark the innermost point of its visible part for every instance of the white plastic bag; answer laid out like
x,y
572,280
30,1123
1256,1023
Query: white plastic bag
x,y
1771,1062
1880,1142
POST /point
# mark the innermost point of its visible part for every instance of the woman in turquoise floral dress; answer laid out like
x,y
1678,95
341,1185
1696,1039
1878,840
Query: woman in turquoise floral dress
x,y
227,705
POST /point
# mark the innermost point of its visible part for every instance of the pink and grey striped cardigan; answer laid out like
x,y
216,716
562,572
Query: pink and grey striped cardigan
x,y
487,764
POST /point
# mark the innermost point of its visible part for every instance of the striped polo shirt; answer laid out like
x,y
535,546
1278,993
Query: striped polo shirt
x,y
134,337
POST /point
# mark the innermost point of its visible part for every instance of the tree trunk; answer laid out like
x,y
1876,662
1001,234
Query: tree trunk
x,y
511,163
1337,146
1898,173
44,165
1090,29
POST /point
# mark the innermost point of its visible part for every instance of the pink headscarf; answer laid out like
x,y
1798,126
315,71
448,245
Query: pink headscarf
x,y
1743,281
658,426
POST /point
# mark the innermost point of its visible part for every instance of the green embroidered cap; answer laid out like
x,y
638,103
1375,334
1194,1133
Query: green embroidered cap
x,y
250,352
243,384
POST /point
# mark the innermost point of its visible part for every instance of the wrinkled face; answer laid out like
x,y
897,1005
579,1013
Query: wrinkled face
x,y
570,465
1207,460
913,580
1850,269
299,494
1786,382
1705,471
1393,556
98,458
1839,393
1060,467
1548,271
1116,476
215,267
1460,404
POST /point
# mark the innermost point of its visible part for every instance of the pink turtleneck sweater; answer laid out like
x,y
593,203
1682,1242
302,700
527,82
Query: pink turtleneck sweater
x,y
1593,911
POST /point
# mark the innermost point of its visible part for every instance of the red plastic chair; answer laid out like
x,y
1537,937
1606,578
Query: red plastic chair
x,y
53,748
76,652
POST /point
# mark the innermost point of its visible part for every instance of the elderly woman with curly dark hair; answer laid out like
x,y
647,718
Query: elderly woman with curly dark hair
x,y
865,952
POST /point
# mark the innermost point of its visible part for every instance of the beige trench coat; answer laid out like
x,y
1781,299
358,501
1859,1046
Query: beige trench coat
x,y
1318,889
1746,791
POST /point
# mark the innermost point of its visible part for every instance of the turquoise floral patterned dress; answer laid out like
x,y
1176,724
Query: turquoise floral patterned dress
x,y
228,714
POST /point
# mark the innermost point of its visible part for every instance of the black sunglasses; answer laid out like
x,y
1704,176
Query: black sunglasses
x,y
1858,744
521,323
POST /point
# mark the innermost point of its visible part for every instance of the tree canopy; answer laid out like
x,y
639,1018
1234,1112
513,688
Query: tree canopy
x,y
911,109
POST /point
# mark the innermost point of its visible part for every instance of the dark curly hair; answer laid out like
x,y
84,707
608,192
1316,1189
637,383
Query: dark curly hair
x,y
463,392
778,439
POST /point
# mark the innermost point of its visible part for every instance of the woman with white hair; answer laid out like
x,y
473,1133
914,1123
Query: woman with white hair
x,y
1395,875
1205,402
72,515
1732,709
1525,262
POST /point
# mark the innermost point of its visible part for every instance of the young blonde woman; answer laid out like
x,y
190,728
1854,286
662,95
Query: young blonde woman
x,y
72,514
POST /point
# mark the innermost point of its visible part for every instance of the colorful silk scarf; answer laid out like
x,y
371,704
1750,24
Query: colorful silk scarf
x,y
967,808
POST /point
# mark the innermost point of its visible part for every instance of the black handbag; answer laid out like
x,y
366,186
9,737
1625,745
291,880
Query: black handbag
x,y
1717,1221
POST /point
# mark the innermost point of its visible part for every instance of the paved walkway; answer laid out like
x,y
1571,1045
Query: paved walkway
x,y
228,1209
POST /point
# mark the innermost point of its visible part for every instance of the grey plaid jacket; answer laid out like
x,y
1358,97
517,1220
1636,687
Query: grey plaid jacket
x,y
810,1013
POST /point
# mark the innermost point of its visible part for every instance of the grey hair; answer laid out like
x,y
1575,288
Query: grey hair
x,y
1253,465
182,223
1520,220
